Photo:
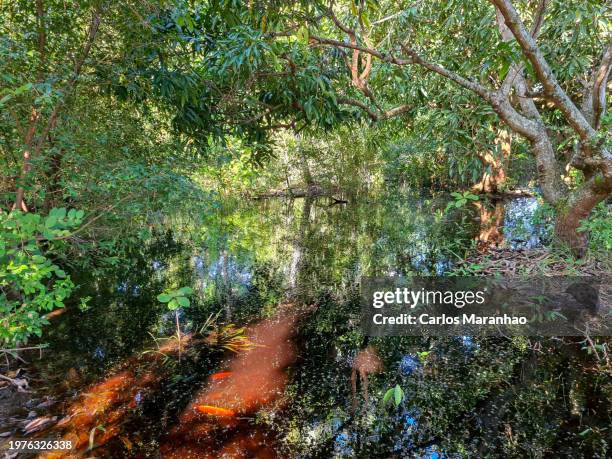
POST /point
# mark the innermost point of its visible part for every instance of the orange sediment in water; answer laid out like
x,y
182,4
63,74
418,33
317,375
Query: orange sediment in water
x,y
258,379
107,402
215,410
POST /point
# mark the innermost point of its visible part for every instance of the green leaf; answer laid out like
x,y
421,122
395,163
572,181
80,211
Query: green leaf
x,y
503,71
50,221
185,291
303,35
164,297
5,99
388,395
398,395
38,259
173,304
182,301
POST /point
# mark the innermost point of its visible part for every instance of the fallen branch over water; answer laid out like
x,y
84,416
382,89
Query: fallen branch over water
x,y
311,191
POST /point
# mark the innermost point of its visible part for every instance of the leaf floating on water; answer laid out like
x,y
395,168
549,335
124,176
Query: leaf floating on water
x,y
215,410
221,375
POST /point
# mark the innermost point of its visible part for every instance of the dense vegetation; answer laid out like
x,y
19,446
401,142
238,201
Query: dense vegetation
x,y
134,131
127,111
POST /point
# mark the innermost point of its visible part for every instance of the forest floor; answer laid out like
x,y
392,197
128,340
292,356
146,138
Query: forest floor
x,y
541,261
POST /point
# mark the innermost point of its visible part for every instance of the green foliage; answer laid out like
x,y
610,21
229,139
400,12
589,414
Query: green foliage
x,y
461,199
395,394
176,298
31,281
599,227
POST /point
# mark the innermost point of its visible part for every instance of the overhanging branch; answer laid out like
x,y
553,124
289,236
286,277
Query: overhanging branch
x,y
543,71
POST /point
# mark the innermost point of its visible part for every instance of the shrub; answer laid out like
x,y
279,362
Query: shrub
x,y
31,283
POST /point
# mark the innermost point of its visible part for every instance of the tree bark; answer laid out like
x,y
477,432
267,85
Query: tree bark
x,y
491,182
491,225
25,164
577,208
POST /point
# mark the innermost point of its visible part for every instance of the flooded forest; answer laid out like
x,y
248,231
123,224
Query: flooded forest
x,y
192,191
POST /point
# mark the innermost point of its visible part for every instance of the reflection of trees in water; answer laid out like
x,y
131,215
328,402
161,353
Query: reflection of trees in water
x,y
491,233
452,395
508,223
298,246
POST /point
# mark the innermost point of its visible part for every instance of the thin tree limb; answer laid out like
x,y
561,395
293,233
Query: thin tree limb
x,y
542,69
374,115
340,44
594,105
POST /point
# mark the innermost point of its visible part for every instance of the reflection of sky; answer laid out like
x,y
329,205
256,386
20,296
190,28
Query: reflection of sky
x,y
409,423
408,364
123,287
157,265
468,343
198,263
431,453
99,353
237,273
342,444
519,230
443,266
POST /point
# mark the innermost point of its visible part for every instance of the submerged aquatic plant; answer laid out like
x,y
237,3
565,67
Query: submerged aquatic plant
x,y
234,339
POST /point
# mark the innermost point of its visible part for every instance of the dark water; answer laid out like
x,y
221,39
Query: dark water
x,y
310,384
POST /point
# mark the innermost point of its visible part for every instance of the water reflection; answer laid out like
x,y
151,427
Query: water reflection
x,y
312,386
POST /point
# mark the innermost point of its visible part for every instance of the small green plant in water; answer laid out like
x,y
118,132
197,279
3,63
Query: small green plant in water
x,y
176,299
394,395
460,200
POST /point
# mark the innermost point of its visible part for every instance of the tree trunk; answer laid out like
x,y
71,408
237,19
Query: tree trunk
x,y
491,225
569,218
25,165
491,182
297,262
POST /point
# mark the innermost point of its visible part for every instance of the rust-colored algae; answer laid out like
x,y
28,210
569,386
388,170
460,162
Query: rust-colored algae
x,y
107,403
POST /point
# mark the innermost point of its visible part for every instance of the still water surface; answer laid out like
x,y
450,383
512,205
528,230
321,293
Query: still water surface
x,y
307,383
